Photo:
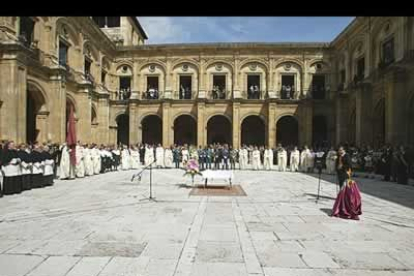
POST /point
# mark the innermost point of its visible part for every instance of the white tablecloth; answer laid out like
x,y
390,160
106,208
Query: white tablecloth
x,y
209,174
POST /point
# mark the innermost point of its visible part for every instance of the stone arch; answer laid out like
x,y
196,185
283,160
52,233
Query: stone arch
x,y
254,60
146,64
106,63
379,35
287,130
121,72
151,128
121,62
36,113
181,61
219,129
253,130
185,129
184,113
228,117
93,51
210,63
122,122
298,62
73,34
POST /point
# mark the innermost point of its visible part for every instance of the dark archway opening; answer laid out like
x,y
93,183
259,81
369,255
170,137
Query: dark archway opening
x,y
379,123
34,103
185,130
351,129
122,122
319,131
152,130
287,131
219,130
253,131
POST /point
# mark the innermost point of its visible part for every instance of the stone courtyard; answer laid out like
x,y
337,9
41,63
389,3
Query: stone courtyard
x,y
105,225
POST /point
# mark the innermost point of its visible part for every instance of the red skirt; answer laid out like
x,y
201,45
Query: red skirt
x,y
348,202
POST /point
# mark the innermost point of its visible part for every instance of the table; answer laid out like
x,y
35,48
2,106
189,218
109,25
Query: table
x,y
210,174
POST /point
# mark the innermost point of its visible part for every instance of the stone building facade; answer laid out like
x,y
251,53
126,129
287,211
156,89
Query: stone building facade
x,y
356,88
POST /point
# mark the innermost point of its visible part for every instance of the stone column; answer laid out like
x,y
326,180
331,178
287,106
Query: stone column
x,y
133,124
167,131
271,125
168,81
201,124
271,89
363,130
236,77
342,118
103,120
42,125
236,125
305,123
202,91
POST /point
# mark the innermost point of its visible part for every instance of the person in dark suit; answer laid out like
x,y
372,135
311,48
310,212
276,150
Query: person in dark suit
x,y
343,166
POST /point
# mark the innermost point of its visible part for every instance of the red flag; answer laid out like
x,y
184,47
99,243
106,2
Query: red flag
x,y
71,137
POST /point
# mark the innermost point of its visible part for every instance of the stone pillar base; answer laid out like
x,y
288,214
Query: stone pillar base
x,y
168,94
272,94
237,94
202,94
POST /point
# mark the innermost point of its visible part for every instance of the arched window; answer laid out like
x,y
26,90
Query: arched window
x,y
26,30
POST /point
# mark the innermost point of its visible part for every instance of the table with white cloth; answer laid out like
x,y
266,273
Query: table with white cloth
x,y
213,175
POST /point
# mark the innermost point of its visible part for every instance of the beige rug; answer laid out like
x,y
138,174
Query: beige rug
x,y
211,190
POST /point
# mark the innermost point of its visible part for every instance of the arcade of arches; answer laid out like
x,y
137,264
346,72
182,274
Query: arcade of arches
x,y
253,131
287,131
185,130
219,130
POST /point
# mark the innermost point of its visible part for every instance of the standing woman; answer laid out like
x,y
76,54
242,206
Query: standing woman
x,y
12,181
125,159
168,157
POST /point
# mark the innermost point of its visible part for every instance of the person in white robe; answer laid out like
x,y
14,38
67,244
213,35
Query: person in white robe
x,y
310,161
282,159
134,158
147,155
125,163
96,158
330,161
151,154
243,158
48,165
185,155
256,159
268,159
304,159
64,166
159,155
294,160
168,157
88,161
80,164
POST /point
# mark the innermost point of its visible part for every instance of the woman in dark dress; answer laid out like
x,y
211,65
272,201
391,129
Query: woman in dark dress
x,y
12,181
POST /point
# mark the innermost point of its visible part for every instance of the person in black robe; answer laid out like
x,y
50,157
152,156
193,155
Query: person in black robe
x,y
37,160
402,167
48,167
12,181
26,167
386,160
343,166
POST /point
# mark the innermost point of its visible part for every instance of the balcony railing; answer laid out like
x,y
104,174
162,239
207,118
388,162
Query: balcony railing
x,y
151,94
123,94
218,94
254,95
186,94
288,94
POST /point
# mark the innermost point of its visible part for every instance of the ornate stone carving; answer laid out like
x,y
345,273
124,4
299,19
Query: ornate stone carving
x,y
152,68
219,67
253,66
185,67
288,66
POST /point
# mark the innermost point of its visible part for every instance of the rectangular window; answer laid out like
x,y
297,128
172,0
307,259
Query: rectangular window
x,y
185,87
152,83
26,30
113,21
219,87
87,68
360,68
99,20
318,87
124,83
63,53
288,87
253,86
388,51
103,77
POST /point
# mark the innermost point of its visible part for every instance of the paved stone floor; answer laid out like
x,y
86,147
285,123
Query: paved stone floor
x,y
104,225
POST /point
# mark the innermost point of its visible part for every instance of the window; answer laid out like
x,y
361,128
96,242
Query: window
x,y
360,68
113,21
124,83
288,87
388,51
63,53
87,68
100,21
103,77
26,30
185,87
253,86
318,87
219,87
152,83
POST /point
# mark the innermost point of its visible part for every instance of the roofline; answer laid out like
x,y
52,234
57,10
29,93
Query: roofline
x,y
141,30
229,45
346,30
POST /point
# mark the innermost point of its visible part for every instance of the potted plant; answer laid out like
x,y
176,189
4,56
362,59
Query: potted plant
x,y
192,169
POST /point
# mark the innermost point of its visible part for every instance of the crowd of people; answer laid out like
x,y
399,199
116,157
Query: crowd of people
x,y
34,166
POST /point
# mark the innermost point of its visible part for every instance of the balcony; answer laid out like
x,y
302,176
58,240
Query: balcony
x,y
185,94
123,94
288,94
254,95
150,94
218,94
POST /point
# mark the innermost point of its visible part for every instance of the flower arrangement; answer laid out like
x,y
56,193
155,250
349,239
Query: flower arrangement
x,y
192,169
